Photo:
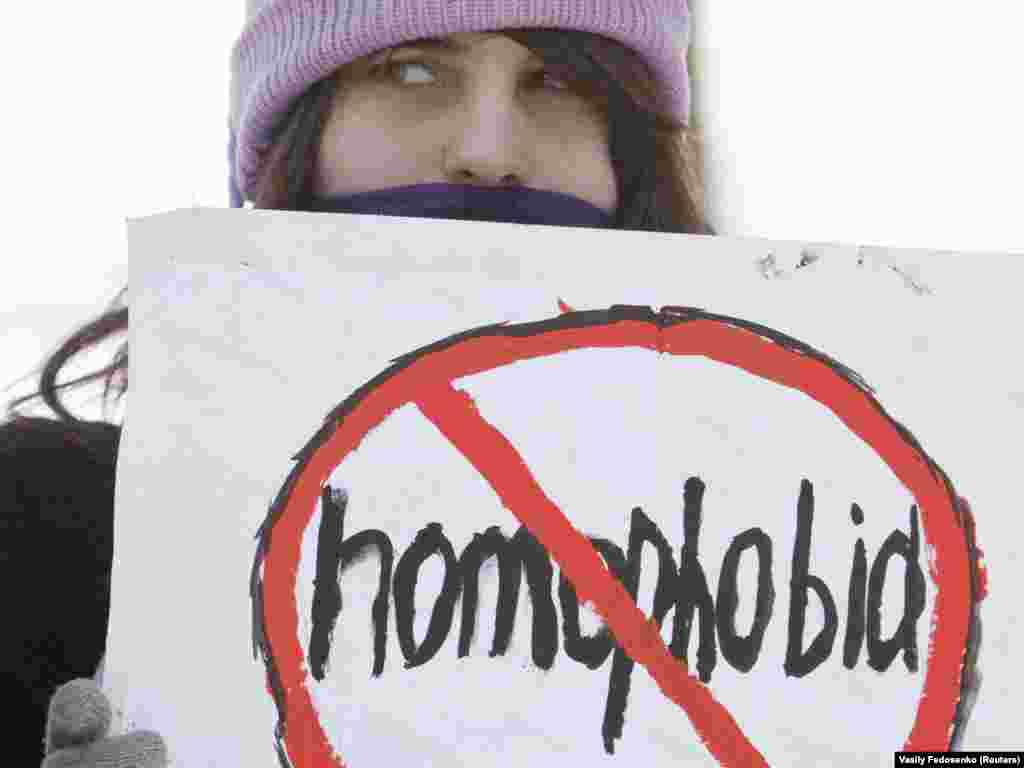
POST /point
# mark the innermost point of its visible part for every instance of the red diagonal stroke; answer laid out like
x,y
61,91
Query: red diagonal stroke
x,y
456,416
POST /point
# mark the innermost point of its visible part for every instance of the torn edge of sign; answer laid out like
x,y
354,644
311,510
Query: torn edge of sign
x,y
783,262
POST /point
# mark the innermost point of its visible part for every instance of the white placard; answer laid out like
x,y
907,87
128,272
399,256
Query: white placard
x,y
372,466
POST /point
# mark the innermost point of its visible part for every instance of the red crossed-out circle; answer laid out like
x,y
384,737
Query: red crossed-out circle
x,y
425,378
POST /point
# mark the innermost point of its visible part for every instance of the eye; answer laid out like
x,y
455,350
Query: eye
x,y
555,83
411,72
546,80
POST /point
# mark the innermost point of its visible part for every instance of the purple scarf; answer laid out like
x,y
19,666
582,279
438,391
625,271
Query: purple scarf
x,y
515,205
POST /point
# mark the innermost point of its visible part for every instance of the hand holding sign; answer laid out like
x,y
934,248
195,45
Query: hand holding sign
x,y
77,733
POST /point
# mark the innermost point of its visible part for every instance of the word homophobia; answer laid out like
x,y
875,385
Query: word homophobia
x,y
680,585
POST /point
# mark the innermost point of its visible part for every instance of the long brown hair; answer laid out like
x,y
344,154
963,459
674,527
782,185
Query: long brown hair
x,y
658,163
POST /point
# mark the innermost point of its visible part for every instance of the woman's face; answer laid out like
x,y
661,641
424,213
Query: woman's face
x,y
473,108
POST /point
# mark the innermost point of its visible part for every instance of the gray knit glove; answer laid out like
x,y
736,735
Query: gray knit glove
x,y
76,733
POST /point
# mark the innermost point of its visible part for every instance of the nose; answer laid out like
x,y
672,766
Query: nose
x,y
489,143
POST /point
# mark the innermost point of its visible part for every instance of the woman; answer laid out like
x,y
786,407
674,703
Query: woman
x,y
539,111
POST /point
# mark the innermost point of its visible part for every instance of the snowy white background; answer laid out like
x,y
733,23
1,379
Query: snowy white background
x,y
874,122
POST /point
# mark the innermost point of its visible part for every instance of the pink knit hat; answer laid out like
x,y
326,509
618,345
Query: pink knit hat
x,y
287,45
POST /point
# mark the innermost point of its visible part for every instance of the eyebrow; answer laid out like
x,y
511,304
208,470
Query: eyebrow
x,y
434,43
446,45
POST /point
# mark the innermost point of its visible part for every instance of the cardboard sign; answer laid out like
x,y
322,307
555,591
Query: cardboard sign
x,y
408,492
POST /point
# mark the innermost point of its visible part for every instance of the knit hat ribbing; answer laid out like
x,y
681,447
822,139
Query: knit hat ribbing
x,y
287,45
